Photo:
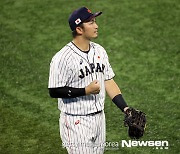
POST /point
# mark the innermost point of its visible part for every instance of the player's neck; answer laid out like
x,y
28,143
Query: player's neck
x,y
81,43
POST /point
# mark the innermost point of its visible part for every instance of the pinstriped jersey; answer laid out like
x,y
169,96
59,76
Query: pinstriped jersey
x,y
74,68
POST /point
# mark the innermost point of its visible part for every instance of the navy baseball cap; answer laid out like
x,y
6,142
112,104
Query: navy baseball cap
x,y
81,15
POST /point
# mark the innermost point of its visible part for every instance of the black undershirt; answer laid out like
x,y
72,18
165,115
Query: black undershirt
x,y
66,92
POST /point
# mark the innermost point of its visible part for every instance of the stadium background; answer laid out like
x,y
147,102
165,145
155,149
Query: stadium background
x,y
142,40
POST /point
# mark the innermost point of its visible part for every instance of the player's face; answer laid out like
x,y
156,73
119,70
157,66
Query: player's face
x,y
90,30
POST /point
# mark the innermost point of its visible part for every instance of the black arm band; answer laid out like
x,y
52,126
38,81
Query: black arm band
x,y
120,102
66,92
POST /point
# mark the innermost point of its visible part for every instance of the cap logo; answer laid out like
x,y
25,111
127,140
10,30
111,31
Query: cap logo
x,y
89,10
77,21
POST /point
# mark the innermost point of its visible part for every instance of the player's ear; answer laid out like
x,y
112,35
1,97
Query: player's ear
x,y
79,30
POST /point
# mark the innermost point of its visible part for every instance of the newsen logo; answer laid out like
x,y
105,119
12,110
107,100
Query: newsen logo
x,y
157,144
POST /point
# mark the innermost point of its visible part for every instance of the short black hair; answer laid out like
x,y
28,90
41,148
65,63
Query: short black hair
x,y
74,33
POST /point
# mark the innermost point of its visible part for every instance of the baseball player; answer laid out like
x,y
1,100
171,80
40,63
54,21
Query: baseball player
x,y
80,75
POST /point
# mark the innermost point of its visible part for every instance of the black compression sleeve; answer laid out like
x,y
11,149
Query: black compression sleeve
x,y
120,102
66,92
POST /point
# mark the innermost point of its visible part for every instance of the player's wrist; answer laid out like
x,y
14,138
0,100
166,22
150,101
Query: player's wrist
x,y
87,90
120,102
126,109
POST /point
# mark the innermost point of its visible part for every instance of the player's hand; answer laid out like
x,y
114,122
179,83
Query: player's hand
x,y
93,88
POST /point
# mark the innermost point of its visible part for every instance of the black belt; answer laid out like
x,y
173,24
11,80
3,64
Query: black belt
x,y
90,114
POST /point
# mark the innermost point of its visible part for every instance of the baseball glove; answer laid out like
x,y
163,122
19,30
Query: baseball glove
x,y
135,120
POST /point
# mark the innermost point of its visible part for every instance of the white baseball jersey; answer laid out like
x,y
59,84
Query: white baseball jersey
x,y
74,68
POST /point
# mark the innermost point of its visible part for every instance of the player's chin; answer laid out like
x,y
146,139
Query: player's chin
x,y
95,36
